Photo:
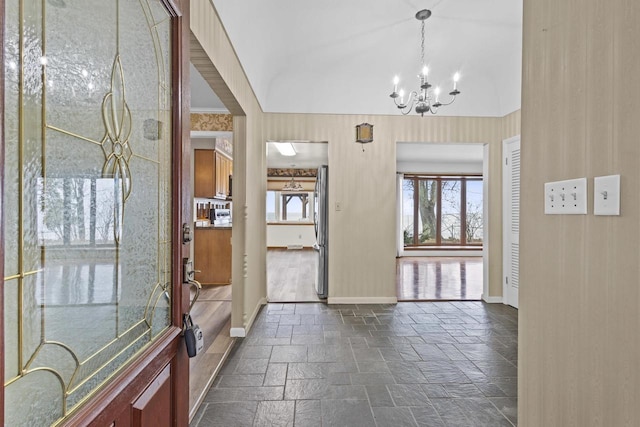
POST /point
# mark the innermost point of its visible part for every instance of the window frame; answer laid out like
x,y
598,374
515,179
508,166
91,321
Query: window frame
x,y
286,197
280,210
439,178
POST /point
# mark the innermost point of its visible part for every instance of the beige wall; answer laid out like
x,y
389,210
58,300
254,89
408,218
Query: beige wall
x,y
362,235
214,57
579,318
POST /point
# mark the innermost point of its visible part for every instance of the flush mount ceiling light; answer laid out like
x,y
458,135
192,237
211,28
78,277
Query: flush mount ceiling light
x,y
425,99
285,148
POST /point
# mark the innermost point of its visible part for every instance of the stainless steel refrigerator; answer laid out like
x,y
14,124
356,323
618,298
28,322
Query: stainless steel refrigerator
x,y
321,220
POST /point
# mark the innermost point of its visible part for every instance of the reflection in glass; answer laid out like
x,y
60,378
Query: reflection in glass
x,y
76,211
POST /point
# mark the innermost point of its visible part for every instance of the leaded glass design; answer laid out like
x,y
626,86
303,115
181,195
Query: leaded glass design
x,y
87,196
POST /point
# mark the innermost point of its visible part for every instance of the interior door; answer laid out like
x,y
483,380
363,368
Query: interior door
x,y
511,220
91,209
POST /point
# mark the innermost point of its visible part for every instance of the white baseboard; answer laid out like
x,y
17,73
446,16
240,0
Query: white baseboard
x,y
238,333
362,300
242,332
491,300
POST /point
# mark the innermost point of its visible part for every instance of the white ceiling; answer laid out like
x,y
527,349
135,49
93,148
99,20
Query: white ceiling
x,y
202,96
309,155
338,56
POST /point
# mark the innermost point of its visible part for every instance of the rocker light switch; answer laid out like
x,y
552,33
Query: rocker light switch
x,y
606,195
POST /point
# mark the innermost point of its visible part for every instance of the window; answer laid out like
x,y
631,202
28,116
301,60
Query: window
x,y
442,211
289,206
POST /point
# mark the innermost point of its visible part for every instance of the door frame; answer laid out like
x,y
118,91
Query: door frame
x,y
506,223
113,402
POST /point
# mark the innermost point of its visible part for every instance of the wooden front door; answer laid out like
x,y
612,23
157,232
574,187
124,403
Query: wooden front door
x,y
94,184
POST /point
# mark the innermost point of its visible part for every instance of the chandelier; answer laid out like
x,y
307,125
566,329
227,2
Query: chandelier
x,y
425,99
292,185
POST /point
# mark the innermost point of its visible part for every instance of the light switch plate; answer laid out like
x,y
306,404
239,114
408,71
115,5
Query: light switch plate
x,y
606,195
566,197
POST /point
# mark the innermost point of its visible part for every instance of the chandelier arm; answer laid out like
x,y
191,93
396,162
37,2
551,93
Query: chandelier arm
x,y
450,102
409,104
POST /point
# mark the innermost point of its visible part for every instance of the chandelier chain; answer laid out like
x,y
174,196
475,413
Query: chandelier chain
x,y
422,50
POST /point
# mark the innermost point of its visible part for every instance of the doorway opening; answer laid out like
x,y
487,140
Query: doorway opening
x,y
212,200
292,198
441,221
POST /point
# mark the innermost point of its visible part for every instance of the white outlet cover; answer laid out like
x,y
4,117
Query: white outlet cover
x,y
606,195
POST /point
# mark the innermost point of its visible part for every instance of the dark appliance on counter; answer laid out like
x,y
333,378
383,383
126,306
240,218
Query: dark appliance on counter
x,y
321,221
220,216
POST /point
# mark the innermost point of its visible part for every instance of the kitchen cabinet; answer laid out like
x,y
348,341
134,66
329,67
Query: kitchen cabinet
x,y
212,255
224,168
211,174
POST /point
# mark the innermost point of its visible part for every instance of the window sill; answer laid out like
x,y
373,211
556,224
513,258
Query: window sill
x,y
290,223
443,248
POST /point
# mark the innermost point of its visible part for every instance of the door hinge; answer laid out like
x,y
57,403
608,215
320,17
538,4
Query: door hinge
x,y
507,279
506,161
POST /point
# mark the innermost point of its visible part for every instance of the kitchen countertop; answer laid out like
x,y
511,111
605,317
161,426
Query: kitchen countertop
x,y
214,227
205,224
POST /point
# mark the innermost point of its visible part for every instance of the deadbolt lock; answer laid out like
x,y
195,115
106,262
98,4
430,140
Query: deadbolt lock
x,y
187,233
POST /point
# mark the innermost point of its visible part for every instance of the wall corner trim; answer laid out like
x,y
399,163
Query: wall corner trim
x,y
362,300
247,326
491,300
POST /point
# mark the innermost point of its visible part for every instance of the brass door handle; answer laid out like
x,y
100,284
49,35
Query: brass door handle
x,y
195,297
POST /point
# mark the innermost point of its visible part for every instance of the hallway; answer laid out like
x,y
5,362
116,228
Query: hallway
x,y
410,364
291,275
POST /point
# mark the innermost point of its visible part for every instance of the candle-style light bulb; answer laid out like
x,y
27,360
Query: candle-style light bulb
x,y
425,71
437,92
401,96
396,80
456,77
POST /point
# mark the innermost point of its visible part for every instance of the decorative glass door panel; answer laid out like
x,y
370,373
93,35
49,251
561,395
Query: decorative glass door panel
x,y
87,196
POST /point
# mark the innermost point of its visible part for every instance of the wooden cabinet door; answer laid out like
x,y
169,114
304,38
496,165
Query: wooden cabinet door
x,y
212,256
227,172
204,173
219,160
223,170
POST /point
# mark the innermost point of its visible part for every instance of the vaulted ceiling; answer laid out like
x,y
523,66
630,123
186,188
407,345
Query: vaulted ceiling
x,y
340,56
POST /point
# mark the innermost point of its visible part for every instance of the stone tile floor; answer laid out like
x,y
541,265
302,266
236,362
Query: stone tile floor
x,y
409,364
